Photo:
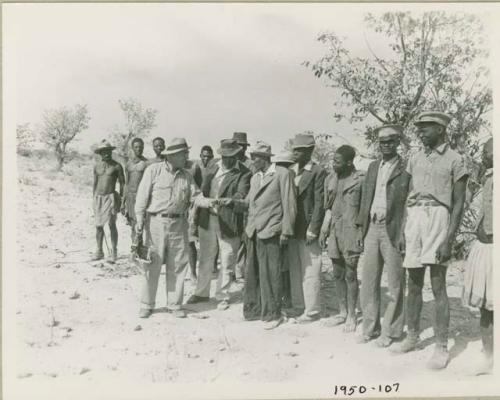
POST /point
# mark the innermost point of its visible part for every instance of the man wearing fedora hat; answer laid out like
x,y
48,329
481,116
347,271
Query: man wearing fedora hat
x,y
434,210
220,228
304,249
381,216
165,193
271,209
107,201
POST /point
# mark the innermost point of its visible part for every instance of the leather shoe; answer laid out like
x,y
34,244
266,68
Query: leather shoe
x,y
145,313
196,299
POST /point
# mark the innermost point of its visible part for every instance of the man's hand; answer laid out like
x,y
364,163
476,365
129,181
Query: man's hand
x,y
283,240
443,252
402,244
323,237
359,238
310,238
225,202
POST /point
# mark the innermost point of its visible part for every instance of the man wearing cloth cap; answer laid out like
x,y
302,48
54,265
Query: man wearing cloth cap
x,y
106,201
271,209
304,251
220,228
434,208
381,215
165,194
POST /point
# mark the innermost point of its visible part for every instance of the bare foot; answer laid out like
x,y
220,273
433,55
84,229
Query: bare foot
x,y
350,325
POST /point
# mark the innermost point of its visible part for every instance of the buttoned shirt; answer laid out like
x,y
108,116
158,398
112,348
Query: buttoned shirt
x,y
163,190
298,172
217,181
269,171
379,205
486,212
434,172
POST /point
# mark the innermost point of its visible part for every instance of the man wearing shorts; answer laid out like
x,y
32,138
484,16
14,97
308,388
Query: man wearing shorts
x,y
434,210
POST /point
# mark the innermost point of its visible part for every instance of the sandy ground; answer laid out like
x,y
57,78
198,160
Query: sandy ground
x,y
80,321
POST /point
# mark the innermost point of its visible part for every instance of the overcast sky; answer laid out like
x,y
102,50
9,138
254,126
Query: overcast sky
x,y
209,69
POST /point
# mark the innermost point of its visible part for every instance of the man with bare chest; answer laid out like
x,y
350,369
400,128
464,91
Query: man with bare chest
x,y
106,200
133,173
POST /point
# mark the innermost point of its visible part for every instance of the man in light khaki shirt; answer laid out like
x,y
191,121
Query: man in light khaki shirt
x,y
434,212
164,197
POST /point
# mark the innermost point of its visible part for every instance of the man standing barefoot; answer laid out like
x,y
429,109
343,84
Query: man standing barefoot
x,y
106,201
134,170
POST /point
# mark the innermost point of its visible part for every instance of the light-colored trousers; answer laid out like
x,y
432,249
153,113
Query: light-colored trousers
x,y
168,240
378,250
305,275
210,240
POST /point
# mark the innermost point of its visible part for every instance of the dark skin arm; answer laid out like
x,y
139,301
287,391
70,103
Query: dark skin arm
x,y
121,179
443,252
125,190
95,182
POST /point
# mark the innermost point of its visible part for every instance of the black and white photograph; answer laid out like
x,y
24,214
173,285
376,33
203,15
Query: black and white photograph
x,y
249,200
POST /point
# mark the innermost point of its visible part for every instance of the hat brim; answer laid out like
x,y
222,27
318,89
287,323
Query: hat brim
x,y
169,152
228,153
101,149
283,161
261,153
430,121
302,146
241,143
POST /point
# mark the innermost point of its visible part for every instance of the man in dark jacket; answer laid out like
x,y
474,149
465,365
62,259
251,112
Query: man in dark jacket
x,y
304,251
220,227
381,217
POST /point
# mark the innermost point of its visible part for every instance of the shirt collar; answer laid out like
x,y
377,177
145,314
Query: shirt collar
x,y
307,167
270,170
489,172
389,162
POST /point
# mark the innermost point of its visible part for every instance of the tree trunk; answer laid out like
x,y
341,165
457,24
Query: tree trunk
x,y
59,157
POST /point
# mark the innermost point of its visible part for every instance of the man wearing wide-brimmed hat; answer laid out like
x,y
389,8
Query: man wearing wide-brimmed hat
x,y
164,197
304,251
381,216
107,201
434,211
220,228
271,209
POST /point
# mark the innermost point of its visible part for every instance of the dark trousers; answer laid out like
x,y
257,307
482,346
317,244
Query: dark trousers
x,y
379,251
262,290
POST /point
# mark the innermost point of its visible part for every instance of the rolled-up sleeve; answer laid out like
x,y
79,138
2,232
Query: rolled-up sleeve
x,y
143,195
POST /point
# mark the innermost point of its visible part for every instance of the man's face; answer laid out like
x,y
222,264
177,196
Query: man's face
x,y
138,148
388,145
178,160
228,162
339,164
430,133
158,147
487,155
206,156
258,162
302,155
106,155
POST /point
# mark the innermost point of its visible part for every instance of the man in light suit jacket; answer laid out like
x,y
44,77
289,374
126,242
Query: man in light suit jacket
x,y
381,216
271,209
220,228
304,251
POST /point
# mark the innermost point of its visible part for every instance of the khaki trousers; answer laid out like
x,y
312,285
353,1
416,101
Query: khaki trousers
x,y
211,240
305,275
168,240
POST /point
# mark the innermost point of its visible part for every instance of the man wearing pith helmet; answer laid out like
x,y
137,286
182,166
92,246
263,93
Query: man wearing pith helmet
x,y
304,251
434,210
381,215
164,196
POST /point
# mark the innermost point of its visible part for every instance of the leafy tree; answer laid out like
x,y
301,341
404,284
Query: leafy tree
x,y
138,123
435,60
60,126
25,138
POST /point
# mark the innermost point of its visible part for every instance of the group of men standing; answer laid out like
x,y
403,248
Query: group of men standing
x,y
274,215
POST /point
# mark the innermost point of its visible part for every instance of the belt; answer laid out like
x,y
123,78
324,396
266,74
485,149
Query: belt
x,y
169,215
426,203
